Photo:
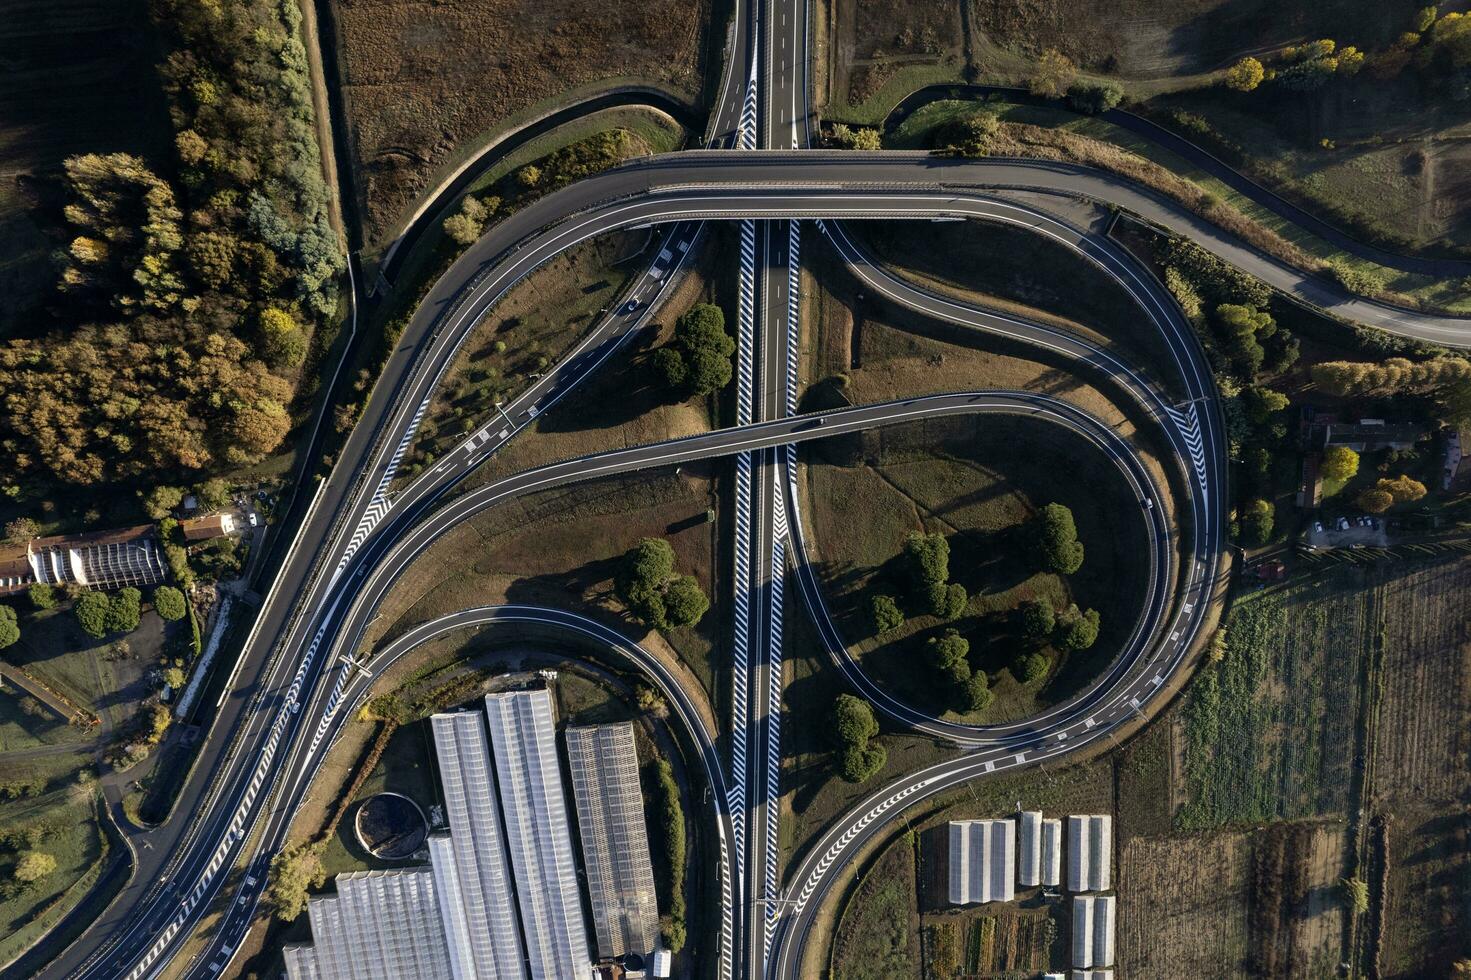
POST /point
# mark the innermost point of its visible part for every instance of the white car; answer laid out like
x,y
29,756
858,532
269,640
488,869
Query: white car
x,y
253,518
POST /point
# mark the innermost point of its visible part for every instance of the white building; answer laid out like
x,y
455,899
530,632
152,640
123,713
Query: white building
x,y
1052,852
1090,853
1093,931
1029,849
982,861
523,738
471,867
1091,975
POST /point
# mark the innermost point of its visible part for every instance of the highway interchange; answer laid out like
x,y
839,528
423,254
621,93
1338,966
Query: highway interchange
x,y
296,682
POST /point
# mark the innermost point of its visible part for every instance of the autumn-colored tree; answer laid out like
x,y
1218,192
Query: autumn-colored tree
x,y
1245,75
1052,75
1339,463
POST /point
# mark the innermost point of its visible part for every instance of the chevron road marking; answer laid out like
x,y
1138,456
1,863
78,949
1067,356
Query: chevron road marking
x,y
1188,422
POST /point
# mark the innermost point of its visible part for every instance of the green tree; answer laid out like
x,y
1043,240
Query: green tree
x,y
852,724
1245,75
174,677
1052,75
852,721
1030,667
1339,463
685,603
697,359
124,609
283,345
670,368
213,494
1258,520
295,871
955,600
33,866
42,595
859,765
970,135
1262,403
162,501
9,627
1245,328
1093,98
709,370
1076,630
949,652
978,694
169,603
1038,618
1057,540
92,610
647,585
884,614
926,561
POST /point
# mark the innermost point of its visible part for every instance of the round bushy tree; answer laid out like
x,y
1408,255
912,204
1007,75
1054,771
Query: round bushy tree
x,y
884,614
684,601
124,610
852,720
42,595
169,603
1057,540
1038,618
859,765
977,691
9,627
1077,630
1030,667
91,610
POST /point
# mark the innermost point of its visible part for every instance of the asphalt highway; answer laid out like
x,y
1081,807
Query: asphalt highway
x,y
261,720
388,559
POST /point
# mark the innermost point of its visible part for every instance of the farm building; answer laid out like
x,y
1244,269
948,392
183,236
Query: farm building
x,y
1029,849
207,528
1090,853
1093,930
102,560
982,861
1052,852
1091,975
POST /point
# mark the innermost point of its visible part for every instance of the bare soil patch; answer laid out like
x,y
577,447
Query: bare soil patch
x,y
424,82
1151,38
1233,904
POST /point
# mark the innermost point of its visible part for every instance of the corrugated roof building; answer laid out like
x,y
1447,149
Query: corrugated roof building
x,y
1090,853
104,560
381,925
529,775
615,839
982,861
471,866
